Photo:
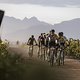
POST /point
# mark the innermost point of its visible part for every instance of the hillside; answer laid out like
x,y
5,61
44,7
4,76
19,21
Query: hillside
x,y
16,29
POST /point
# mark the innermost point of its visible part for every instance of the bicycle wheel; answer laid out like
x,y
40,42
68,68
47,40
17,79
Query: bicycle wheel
x,y
62,57
39,52
30,51
51,57
42,56
58,57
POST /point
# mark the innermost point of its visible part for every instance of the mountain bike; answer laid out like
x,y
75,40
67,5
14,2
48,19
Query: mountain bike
x,y
52,55
42,52
30,51
60,56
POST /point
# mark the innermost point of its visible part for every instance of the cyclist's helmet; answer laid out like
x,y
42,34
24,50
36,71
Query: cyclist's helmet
x,y
32,36
41,34
52,30
60,33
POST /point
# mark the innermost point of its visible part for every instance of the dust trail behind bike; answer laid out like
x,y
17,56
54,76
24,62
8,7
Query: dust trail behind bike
x,y
70,71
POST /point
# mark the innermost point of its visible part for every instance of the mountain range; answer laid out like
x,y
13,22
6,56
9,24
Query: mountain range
x,y
15,29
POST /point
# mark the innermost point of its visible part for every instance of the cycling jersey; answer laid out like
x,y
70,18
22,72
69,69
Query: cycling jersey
x,y
52,40
47,41
61,40
31,41
41,40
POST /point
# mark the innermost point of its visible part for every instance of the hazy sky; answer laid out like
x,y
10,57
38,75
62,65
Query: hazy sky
x,y
45,2
51,11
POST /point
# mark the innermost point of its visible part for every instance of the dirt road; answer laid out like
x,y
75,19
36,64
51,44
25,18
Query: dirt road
x,y
70,71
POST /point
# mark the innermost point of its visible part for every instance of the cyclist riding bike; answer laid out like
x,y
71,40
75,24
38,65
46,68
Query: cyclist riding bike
x,y
52,46
52,38
31,42
61,39
61,46
41,42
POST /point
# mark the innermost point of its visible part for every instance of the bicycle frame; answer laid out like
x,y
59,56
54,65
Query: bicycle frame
x,y
41,52
30,50
52,55
60,56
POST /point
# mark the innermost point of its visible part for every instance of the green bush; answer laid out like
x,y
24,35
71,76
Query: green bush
x,y
73,49
14,67
11,65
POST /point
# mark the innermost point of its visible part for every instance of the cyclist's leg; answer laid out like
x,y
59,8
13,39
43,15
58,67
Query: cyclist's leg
x,y
47,52
39,51
32,50
51,57
63,57
58,56
55,55
29,51
44,52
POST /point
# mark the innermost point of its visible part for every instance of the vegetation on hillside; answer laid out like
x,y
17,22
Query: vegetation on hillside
x,y
73,48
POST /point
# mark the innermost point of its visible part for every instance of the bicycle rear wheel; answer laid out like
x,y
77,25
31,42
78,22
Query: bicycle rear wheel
x,y
58,57
62,57
51,57
30,51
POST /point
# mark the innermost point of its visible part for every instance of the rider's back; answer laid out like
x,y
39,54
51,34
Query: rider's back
x,y
61,41
53,39
31,41
42,40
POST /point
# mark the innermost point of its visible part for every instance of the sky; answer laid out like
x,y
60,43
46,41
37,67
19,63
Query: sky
x,y
58,3
50,11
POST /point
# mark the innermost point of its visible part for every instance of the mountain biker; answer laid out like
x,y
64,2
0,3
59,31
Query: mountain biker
x,y
52,38
31,44
61,48
41,42
42,39
32,40
62,39
52,46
